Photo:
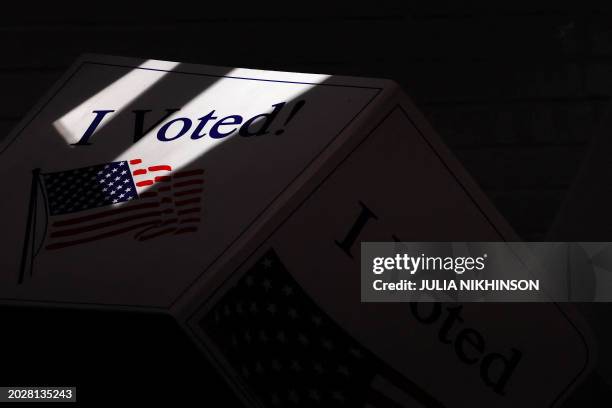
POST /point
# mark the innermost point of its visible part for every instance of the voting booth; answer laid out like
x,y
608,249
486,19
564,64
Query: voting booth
x,y
236,200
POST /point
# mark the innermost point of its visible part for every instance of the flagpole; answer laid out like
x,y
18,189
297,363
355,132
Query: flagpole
x,y
30,225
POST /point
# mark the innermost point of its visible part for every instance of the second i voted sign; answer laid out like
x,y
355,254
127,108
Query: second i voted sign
x,y
236,200
285,322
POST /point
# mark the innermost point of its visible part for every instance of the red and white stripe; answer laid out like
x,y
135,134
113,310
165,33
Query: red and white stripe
x,y
168,204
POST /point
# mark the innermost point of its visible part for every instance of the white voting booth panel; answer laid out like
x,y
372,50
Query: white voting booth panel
x,y
221,195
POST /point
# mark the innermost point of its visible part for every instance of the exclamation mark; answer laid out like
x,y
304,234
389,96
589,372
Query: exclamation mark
x,y
294,111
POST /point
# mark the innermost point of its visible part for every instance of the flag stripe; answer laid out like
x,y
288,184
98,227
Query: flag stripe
x,y
159,168
154,227
187,220
72,231
188,211
186,229
156,234
187,202
59,245
188,192
148,194
188,183
182,174
384,387
107,213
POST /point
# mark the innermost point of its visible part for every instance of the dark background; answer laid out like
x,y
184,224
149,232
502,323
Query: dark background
x,y
515,91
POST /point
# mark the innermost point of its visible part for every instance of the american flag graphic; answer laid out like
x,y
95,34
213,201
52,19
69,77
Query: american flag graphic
x,y
288,352
105,200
